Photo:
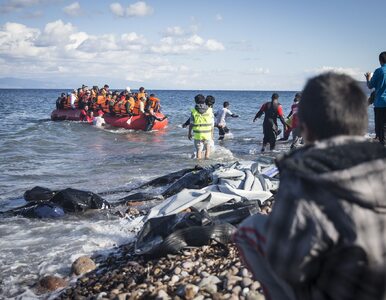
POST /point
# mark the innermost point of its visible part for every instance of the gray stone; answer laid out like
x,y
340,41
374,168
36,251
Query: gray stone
x,y
253,295
50,283
83,265
162,295
246,282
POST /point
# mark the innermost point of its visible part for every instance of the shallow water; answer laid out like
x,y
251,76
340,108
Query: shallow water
x,y
36,151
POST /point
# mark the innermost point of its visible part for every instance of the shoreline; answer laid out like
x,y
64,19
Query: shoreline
x,y
209,272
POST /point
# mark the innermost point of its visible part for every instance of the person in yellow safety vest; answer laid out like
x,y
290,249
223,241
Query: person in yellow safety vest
x,y
202,125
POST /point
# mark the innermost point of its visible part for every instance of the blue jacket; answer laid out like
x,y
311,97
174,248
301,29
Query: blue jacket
x,y
378,82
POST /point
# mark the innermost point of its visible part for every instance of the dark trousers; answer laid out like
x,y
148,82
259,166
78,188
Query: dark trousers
x,y
222,131
380,123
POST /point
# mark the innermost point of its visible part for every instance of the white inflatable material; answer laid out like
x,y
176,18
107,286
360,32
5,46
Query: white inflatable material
x,y
248,181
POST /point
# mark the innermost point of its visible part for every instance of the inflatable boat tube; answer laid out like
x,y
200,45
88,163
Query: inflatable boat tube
x,y
135,122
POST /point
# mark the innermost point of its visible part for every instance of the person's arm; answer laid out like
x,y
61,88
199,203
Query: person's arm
x,y
371,80
260,112
127,107
186,124
298,233
72,101
281,117
190,131
142,107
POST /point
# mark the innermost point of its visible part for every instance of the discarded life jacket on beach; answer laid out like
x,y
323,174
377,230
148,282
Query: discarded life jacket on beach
x,y
202,124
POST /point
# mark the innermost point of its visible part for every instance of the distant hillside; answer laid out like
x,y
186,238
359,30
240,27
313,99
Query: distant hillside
x,y
19,83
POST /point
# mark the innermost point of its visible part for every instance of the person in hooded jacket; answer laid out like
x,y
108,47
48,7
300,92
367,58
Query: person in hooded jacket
x,y
201,124
324,238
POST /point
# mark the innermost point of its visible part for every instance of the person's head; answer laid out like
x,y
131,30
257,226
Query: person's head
x,y
86,107
298,96
152,95
199,99
106,87
382,58
274,97
63,95
226,104
332,104
141,89
128,90
210,100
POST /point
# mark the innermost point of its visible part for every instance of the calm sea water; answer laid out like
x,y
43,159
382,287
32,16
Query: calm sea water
x,y
36,151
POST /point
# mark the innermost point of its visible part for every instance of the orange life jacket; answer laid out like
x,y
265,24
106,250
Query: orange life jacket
x,y
141,95
101,99
122,106
117,107
153,104
94,105
136,108
105,106
132,103
67,105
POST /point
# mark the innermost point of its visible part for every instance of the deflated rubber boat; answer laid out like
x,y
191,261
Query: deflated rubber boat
x,y
192,217
45,203
195,206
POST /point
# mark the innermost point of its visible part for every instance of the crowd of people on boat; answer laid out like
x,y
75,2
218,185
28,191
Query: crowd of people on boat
x,y
94,102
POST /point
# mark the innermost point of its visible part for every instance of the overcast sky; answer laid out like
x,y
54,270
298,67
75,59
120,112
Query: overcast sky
x,y
171,44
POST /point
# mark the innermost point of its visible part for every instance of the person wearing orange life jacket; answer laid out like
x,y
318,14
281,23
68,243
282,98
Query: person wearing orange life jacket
x,y
152,108
139,106
94,105
142,93
94,91
72,100
105,90
119,105
105,104
153,105
112,103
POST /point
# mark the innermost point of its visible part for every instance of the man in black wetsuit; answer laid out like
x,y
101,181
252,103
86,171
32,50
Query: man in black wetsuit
x,y
272,111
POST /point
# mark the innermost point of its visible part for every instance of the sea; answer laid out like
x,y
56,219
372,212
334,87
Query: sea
x,y
35,151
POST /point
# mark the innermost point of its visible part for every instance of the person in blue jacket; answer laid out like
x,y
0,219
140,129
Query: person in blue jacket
x,y
378,82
